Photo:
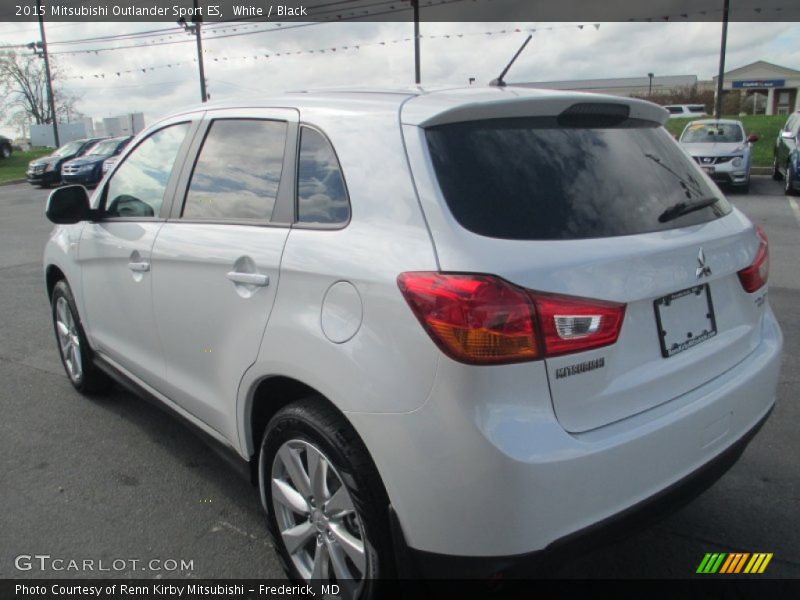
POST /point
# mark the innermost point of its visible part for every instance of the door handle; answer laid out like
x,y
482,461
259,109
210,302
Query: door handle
x,y
139,267
249,278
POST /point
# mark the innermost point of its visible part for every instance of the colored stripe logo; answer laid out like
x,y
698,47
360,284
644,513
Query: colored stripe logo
x,y
734,563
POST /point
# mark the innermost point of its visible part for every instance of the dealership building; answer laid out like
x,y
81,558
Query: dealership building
x,y
775,90
779,84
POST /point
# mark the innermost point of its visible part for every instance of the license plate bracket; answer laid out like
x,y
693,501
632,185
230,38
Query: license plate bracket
x,y
685,319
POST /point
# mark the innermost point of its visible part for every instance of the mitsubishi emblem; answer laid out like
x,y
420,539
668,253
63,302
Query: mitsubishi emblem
x,y
703,270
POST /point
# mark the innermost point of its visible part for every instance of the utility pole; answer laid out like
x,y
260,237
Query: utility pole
x,y
417,75
718,100
650,87
47,70
196,29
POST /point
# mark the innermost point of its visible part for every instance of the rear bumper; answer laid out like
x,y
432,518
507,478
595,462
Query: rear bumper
x,y
420,564
487,471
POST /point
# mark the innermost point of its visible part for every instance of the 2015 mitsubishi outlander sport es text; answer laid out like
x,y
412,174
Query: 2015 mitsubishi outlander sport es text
x,y
444,328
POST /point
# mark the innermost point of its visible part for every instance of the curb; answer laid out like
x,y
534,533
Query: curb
x,y
12,182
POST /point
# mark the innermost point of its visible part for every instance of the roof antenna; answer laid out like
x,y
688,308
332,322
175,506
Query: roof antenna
x,y
499,81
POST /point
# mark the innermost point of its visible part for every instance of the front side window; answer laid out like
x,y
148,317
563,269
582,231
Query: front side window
x,y
137,187
321,192
238,171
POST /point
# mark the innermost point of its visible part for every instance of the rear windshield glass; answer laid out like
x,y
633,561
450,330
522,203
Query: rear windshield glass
x,y
530,179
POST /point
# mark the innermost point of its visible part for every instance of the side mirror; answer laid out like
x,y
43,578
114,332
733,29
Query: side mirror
x,y
787,135
68,205
753,138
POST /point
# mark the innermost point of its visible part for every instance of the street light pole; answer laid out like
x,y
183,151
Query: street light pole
x,y
650,86
721,74
47,70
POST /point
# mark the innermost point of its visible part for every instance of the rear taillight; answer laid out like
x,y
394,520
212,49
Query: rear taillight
x,y
571,324
482,319
755,276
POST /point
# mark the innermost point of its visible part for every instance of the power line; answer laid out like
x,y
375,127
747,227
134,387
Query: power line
x,y
271,55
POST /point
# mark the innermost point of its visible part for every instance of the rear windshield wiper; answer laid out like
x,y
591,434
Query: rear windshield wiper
x,y
684,182
684,208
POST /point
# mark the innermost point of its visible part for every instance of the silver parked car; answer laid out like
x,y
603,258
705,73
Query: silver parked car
x,y
722,149
445,331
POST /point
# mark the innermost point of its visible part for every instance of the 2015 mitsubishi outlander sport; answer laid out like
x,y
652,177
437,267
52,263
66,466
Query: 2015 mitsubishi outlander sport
x,y
461,326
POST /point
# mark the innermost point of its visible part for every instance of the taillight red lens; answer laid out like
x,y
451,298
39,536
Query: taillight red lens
x,y
755,276
475,319
570,324
482,319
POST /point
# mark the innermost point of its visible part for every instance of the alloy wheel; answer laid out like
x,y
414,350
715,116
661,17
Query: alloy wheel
x,y
316,517
68,339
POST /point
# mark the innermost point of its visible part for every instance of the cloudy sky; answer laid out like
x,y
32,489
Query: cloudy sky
x,y
378,54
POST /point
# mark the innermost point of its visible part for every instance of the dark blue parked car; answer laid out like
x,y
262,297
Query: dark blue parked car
x,y
88,169
46,171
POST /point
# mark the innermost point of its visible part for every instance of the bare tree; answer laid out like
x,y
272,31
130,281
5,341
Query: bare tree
x,y
23,91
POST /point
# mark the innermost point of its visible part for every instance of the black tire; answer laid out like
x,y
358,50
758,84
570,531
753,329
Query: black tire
x,y
776,172
790,181
313,421
90,380
5,151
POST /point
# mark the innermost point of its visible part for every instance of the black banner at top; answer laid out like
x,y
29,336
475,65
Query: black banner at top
x,y
214,11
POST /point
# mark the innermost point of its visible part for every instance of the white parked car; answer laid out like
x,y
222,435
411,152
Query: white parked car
x,y
446,330
722,149
682,111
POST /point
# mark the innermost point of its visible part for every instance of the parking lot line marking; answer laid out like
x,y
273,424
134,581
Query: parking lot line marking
x,y
795,209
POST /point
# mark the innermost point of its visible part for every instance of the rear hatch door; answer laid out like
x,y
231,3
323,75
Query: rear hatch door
x,y
606,208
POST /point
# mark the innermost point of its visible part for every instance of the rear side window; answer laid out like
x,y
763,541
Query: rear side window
x,y
697,108
238,171
674,110
321,192
531,179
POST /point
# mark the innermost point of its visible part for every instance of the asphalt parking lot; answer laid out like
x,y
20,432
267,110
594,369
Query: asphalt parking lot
x,y
116,478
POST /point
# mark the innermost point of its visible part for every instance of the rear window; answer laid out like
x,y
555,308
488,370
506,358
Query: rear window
x,y
531,179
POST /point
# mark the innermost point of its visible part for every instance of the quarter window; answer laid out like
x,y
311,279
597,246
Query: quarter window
x,y
138,185
238,171
321,192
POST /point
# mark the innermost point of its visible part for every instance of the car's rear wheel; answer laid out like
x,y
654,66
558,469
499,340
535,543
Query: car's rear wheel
x,y
5,151
326,507
76,356
789,181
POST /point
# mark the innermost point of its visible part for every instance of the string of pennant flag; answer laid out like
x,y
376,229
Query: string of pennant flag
x,y
209,55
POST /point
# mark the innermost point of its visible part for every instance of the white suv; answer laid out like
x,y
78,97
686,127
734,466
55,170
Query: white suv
x,y
678,111
447,330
